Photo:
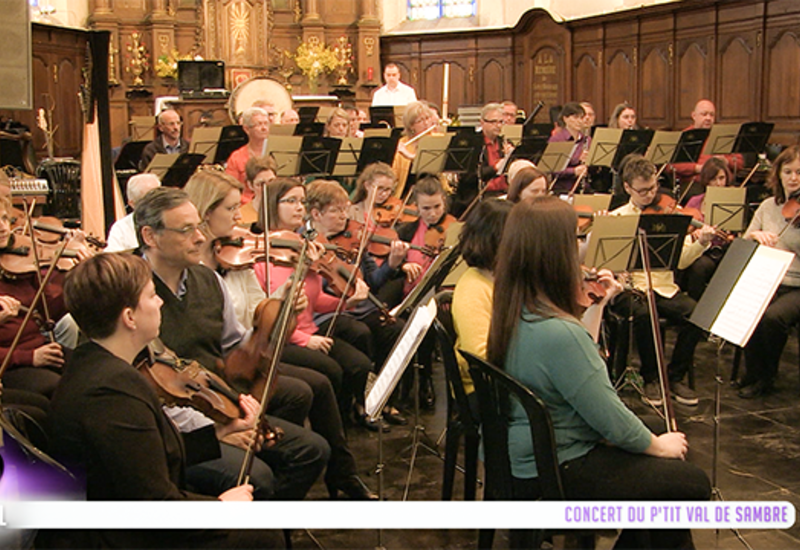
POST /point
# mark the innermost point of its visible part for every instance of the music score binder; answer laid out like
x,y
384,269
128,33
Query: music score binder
x,y
740,290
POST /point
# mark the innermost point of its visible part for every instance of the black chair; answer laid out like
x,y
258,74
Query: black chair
x,y
460,420
493,387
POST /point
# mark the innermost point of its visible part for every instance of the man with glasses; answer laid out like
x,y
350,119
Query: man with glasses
x,y
640,182
496,150
256,122
198,321
169,138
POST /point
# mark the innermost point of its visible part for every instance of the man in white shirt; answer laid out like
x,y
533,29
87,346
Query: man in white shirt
x,y
394,93
122,235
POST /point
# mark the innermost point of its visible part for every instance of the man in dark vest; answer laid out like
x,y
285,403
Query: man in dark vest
x,y
198,322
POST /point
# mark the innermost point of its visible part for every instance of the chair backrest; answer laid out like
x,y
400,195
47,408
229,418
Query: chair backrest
x,y
494,386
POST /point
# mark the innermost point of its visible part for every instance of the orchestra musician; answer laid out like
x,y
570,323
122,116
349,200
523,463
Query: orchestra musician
x,y
122,235
604,451
417,118
572,120
639,181
496,150
216,196
345,366
256,124
108,423
198,322
772,227
527,183
338,124
169,140
623,116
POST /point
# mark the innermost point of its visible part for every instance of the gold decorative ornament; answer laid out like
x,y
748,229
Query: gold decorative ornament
x,y
138,62
343,51
369,45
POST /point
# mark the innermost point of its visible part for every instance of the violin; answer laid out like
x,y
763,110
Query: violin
x,y
18,257
436,234
380,240
664,204
187,383
51,230
240,250
791,210
593,291
394,211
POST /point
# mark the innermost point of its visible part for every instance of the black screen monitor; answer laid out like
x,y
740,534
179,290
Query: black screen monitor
x,y
196,76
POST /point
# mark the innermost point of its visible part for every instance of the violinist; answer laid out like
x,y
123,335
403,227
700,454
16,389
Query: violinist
x,y
418,118
345,366
377,183
107,423
604,451
122,235
259,171
639,181
572,120
216,197
695,278
198,322
37,360
429,230
774,225
365,325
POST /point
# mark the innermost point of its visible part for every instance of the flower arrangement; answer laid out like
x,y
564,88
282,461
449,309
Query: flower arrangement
x,y
313,59
167,65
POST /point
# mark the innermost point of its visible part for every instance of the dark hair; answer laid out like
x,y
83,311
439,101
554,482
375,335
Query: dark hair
x,y
480,237
429,184
537,259
149,211
570,109
613,122
97,290
523,179
710,170
636,166
256,165
276,189
369,174
790,154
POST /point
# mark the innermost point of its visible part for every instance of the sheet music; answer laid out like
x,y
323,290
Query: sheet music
x,y
752,294
404,349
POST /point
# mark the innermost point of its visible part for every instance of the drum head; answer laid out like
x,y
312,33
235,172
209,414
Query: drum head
x,y
258,88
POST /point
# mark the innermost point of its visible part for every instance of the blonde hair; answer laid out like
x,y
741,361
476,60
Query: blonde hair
x,y
208,188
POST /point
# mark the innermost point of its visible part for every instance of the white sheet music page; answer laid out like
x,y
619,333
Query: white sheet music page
x,y
752,294
404,349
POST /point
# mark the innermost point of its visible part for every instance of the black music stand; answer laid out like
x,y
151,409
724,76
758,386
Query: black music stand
x,y
230,139
382,114
463,152
753,137
632,142
130,155
318,155
377,149
690,146
665,235
182,169
307,113
309,129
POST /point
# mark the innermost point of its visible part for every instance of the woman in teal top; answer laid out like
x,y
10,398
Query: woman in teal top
x,y
605,451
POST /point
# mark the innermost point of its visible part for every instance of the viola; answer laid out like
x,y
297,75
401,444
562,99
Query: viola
x,y
187,383
380,240
394,211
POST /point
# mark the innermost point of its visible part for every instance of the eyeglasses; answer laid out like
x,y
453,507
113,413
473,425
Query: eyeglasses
x,y
494,121
184,231
384,189
645,191
292,200
336,210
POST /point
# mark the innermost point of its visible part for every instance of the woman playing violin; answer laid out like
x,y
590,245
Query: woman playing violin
x,y
772,227
216,196
604,451
108,423
345,366
36,362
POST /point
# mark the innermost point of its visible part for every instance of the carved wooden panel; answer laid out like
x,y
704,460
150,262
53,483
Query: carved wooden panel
x,y
547,72
739,78
432,83
655,86
783,91
491,76
693,74
587,78
620,76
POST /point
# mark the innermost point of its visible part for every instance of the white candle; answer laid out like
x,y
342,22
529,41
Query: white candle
x,y
446,90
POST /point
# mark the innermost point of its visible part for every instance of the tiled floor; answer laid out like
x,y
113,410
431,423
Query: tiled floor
x,y
759,460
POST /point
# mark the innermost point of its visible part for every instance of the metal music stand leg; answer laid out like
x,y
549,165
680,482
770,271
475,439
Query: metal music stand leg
x,y
379,471
419,437
716,492
630,377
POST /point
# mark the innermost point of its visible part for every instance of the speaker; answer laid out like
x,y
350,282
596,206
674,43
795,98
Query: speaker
x,y
16,82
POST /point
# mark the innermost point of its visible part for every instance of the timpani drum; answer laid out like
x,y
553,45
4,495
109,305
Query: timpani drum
x,y
258,88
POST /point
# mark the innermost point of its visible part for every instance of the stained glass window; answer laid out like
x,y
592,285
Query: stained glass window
x,y
436,9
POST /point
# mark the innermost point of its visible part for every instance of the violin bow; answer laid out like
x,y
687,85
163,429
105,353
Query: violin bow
x,y
265,226
402,208
362,246
38,296
37,264
279,337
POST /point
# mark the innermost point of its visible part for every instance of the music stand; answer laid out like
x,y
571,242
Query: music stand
x,y
556,156
230,138
347,159
662,147
174,170
286,152
724,208
753,137
510,132
433,277
731,308
309,129
376,149
690,146
205,140
318,155
431,155
665,235
632,142
377,131
382,114
531,149
307,113
603,148
282,130
463,153
721,139
130,155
